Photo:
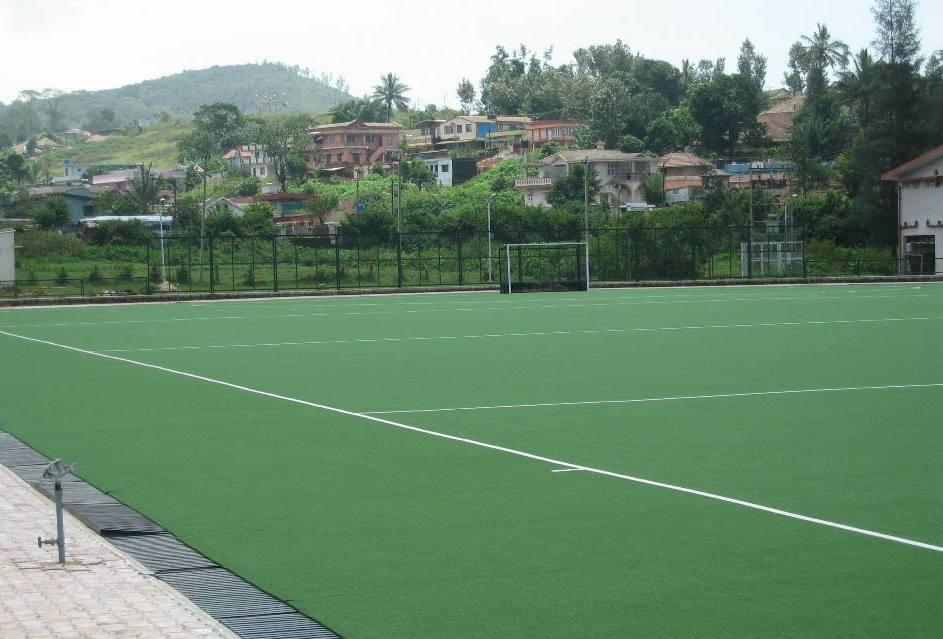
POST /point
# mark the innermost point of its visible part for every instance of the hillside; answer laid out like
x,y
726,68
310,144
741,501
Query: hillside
x,y
180,95
155,145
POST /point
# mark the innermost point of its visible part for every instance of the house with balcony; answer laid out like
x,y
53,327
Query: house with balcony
x,y
620,176
424,137
556,131
474,132
250,159
351,148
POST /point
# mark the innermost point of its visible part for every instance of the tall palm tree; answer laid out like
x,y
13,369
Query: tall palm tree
x,y
819,54
391,92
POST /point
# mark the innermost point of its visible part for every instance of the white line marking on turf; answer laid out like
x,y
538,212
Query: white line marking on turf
x,y
601,331
511,451
722,300
567,470
645,400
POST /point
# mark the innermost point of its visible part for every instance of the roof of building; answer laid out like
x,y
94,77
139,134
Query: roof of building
x,y
683,182
355,124
679,160
520,119
543,124
905,169
594,155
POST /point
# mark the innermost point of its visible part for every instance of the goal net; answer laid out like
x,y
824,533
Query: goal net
x,y
544,266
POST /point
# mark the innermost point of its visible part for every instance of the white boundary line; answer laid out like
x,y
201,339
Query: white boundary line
x,y
511,451
646,400
460,310
407,294
601,331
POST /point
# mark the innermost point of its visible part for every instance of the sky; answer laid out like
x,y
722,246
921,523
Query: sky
x,y
81,44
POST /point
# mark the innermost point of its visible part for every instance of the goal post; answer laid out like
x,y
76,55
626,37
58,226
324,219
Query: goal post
x,y
545,266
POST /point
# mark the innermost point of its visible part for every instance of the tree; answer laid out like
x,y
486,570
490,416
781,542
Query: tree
x,y
416,172
724,109
53,214
794,79
570,187
466,94
391,92
114,203
821,53
358,109
144,190
898,39
222,122
284,140
752,65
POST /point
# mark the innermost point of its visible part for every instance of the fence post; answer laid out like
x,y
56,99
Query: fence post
x,y
461,261
805,270
275,262
337,262
399,260
750,254
212,266
81,287
147,271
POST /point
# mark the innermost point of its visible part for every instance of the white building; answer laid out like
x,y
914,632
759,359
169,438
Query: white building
x,y
252,159
920,211
7,261
620,176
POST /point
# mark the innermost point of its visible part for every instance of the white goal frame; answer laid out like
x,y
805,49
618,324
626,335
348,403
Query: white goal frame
x,y
507,256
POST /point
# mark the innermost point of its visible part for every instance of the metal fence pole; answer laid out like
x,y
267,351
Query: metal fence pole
x,y
147,271
275,263
337,261
399,261
461,262
212,265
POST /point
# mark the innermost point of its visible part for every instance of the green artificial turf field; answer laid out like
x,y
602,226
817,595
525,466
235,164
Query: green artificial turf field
x,y
736,462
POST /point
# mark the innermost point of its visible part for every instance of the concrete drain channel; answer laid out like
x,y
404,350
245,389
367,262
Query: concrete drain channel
x,y
244,609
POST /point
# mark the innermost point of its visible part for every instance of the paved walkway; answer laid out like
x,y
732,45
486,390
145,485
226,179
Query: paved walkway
x,y
99,592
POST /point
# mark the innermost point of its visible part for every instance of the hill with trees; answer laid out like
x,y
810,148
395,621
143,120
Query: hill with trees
x,y
268,86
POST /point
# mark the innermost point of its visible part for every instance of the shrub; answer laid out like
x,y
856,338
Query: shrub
x,y
182,275
62,278
126,272
94,275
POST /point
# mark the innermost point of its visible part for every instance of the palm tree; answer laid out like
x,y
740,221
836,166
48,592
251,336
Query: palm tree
x,y
391,92
819,54
145,190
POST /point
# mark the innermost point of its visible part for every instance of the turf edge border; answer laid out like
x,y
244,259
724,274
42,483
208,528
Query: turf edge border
x,y
242,607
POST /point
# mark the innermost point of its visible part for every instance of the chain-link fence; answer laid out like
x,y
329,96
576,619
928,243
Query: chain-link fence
x,y
190,264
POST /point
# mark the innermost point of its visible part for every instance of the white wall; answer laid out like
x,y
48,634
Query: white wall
x,y
7,272
921,209
442,170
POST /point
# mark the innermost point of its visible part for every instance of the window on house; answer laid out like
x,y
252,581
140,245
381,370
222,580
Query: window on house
x,y
350,139
327,158
612,169
448,129
391,140
261,171
340,156
445,168
368,139
467,128
356,158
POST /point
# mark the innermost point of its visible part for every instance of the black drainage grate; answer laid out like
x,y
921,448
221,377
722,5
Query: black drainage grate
x,y
234,602
161,553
